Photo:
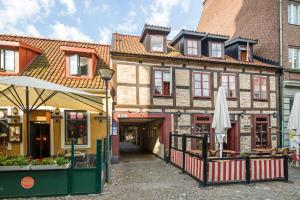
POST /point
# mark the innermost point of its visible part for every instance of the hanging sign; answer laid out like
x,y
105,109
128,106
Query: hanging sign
x,y
114,128
27,182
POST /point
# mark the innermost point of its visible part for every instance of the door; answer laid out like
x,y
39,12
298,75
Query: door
x,y
232,138
40,139
261,132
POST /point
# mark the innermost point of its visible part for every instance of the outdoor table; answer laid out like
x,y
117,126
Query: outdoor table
x,y
229,152
262,151
76,155
198,152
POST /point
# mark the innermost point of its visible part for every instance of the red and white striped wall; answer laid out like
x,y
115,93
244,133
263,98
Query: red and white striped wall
x,y
194,166
262,169
176,157
226,171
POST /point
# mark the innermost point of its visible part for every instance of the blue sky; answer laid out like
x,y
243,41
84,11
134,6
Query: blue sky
x,y
94,20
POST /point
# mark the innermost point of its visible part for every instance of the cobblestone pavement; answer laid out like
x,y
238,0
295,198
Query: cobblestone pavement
x,y
154,179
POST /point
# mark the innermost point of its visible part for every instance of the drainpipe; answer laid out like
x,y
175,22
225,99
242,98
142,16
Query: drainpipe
x,y
280,77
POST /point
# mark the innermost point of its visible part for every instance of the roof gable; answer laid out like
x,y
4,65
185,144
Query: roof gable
x,y
50,65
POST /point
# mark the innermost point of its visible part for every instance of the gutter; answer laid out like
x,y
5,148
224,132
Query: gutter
x,y
280,78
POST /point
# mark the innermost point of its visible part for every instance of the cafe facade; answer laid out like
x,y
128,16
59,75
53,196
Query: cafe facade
x,y
67,63
164,86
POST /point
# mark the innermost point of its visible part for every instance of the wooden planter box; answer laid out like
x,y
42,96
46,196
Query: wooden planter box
x,y
48,167
14,168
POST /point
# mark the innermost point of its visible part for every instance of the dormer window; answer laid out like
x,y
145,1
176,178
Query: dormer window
x,y
157,43
7,60
78,65
192,47
216,50
243,54
80,62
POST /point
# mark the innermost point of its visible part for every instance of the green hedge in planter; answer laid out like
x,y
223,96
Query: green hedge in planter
x,y
14,161
23,161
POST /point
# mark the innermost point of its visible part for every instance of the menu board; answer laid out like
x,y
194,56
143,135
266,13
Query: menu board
x,y
14,133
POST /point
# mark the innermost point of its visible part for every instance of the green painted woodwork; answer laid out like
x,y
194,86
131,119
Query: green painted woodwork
x,y
57,181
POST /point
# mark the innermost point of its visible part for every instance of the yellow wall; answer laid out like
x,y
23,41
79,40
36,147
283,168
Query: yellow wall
x,y
98,131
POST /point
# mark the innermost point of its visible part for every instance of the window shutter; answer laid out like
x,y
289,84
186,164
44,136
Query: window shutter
x,y
171,80
2,59
74,69
9,60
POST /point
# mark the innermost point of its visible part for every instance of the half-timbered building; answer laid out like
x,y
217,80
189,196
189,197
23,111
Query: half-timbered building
x,y
166,85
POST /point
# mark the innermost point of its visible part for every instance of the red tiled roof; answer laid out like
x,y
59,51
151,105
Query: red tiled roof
x,y
50,65
129,44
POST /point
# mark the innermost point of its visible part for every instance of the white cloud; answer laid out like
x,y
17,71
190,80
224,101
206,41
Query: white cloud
x,y
104,35
87,4
70,5
128,25
159,12
105,7
32,31
64,32
15,14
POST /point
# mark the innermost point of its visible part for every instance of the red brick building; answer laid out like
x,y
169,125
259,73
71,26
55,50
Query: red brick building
x,y
276,24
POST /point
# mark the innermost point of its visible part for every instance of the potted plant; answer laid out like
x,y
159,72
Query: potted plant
x,y
43,164
14,163
62,162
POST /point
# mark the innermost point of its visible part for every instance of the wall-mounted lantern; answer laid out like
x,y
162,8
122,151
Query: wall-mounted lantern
x,y
242,114
15,111
56,115
100,117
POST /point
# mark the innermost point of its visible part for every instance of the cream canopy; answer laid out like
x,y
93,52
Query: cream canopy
x,y
29,93
44,93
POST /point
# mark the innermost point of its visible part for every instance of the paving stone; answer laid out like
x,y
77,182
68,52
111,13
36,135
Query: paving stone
x,y
156,180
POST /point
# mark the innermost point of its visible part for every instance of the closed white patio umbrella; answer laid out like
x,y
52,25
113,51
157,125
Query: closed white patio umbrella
x,y
294,122
29,93
221,121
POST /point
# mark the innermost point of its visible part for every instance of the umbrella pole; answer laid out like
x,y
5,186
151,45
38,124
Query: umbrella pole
x,y
221,149
27,123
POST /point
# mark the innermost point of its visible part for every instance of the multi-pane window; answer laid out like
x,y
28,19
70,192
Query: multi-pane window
x,y
216,50
294,13
202,126
201,84
260,87
7,60
157,43
78,65
162,82
192,47
76,123
261,132
229,82
294,58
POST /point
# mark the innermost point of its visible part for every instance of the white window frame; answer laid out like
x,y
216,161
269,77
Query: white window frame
x,y
294,18
294,53
216,50
78,66
193,47
157,49
63,132
3,61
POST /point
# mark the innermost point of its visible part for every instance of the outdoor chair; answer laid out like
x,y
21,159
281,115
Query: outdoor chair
x,y
283,151
86,161
273,152
294,158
